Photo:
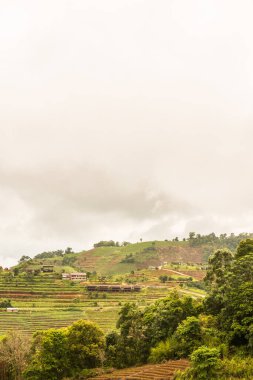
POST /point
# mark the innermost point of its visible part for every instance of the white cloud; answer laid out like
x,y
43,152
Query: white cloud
x,y
123,120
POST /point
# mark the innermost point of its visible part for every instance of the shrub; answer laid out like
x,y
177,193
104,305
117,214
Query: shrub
x,y
4,303
163,351
206,364
238,368
65,352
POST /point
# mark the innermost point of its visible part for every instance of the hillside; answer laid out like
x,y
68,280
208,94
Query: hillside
x,y
122,259
116,259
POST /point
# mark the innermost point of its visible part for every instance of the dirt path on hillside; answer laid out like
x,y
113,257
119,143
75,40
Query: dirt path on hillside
x,y
176,272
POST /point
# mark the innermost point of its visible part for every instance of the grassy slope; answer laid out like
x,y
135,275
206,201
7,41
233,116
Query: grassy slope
x,y
108,260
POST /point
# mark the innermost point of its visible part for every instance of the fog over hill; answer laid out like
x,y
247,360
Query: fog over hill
x,y
123,120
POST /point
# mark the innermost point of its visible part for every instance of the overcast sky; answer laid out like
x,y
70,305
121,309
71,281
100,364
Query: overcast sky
x,y
123,119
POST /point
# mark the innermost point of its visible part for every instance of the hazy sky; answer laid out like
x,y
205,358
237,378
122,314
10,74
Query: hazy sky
x,y
123,119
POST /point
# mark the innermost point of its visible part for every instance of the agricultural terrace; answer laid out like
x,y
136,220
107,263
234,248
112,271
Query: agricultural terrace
x,y
45,301
164,371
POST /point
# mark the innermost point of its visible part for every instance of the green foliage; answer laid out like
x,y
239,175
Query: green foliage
x,y
49,254
162,318
68,250
150,249
16,271
163,278
113,342
128,259
49,356
163,351
8,277
69,259
245,247
104,243
216,242
186,338
85,342
24,259
205,365
237,368
58,353
219,265
86,374
4,303
231,294
140,330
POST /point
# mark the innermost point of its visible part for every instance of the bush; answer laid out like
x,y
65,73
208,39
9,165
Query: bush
x,y
185,339
206,364
65,352
128,259
4,303
237,368
86,374
163,278
163,351
104,243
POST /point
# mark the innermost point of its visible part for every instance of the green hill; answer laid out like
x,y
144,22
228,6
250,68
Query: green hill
x,y
110,258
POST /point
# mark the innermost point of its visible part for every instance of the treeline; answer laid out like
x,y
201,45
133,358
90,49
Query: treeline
x,y
51,254
230,241
110,243
47,255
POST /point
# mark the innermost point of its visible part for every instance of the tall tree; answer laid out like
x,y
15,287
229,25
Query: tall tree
x,y
59,353
14,350
85,342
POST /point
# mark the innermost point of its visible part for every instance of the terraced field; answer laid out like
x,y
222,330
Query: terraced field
x,y
47,302
165,371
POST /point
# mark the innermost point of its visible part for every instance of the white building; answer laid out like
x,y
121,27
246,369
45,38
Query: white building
x,y
74,276
12,309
